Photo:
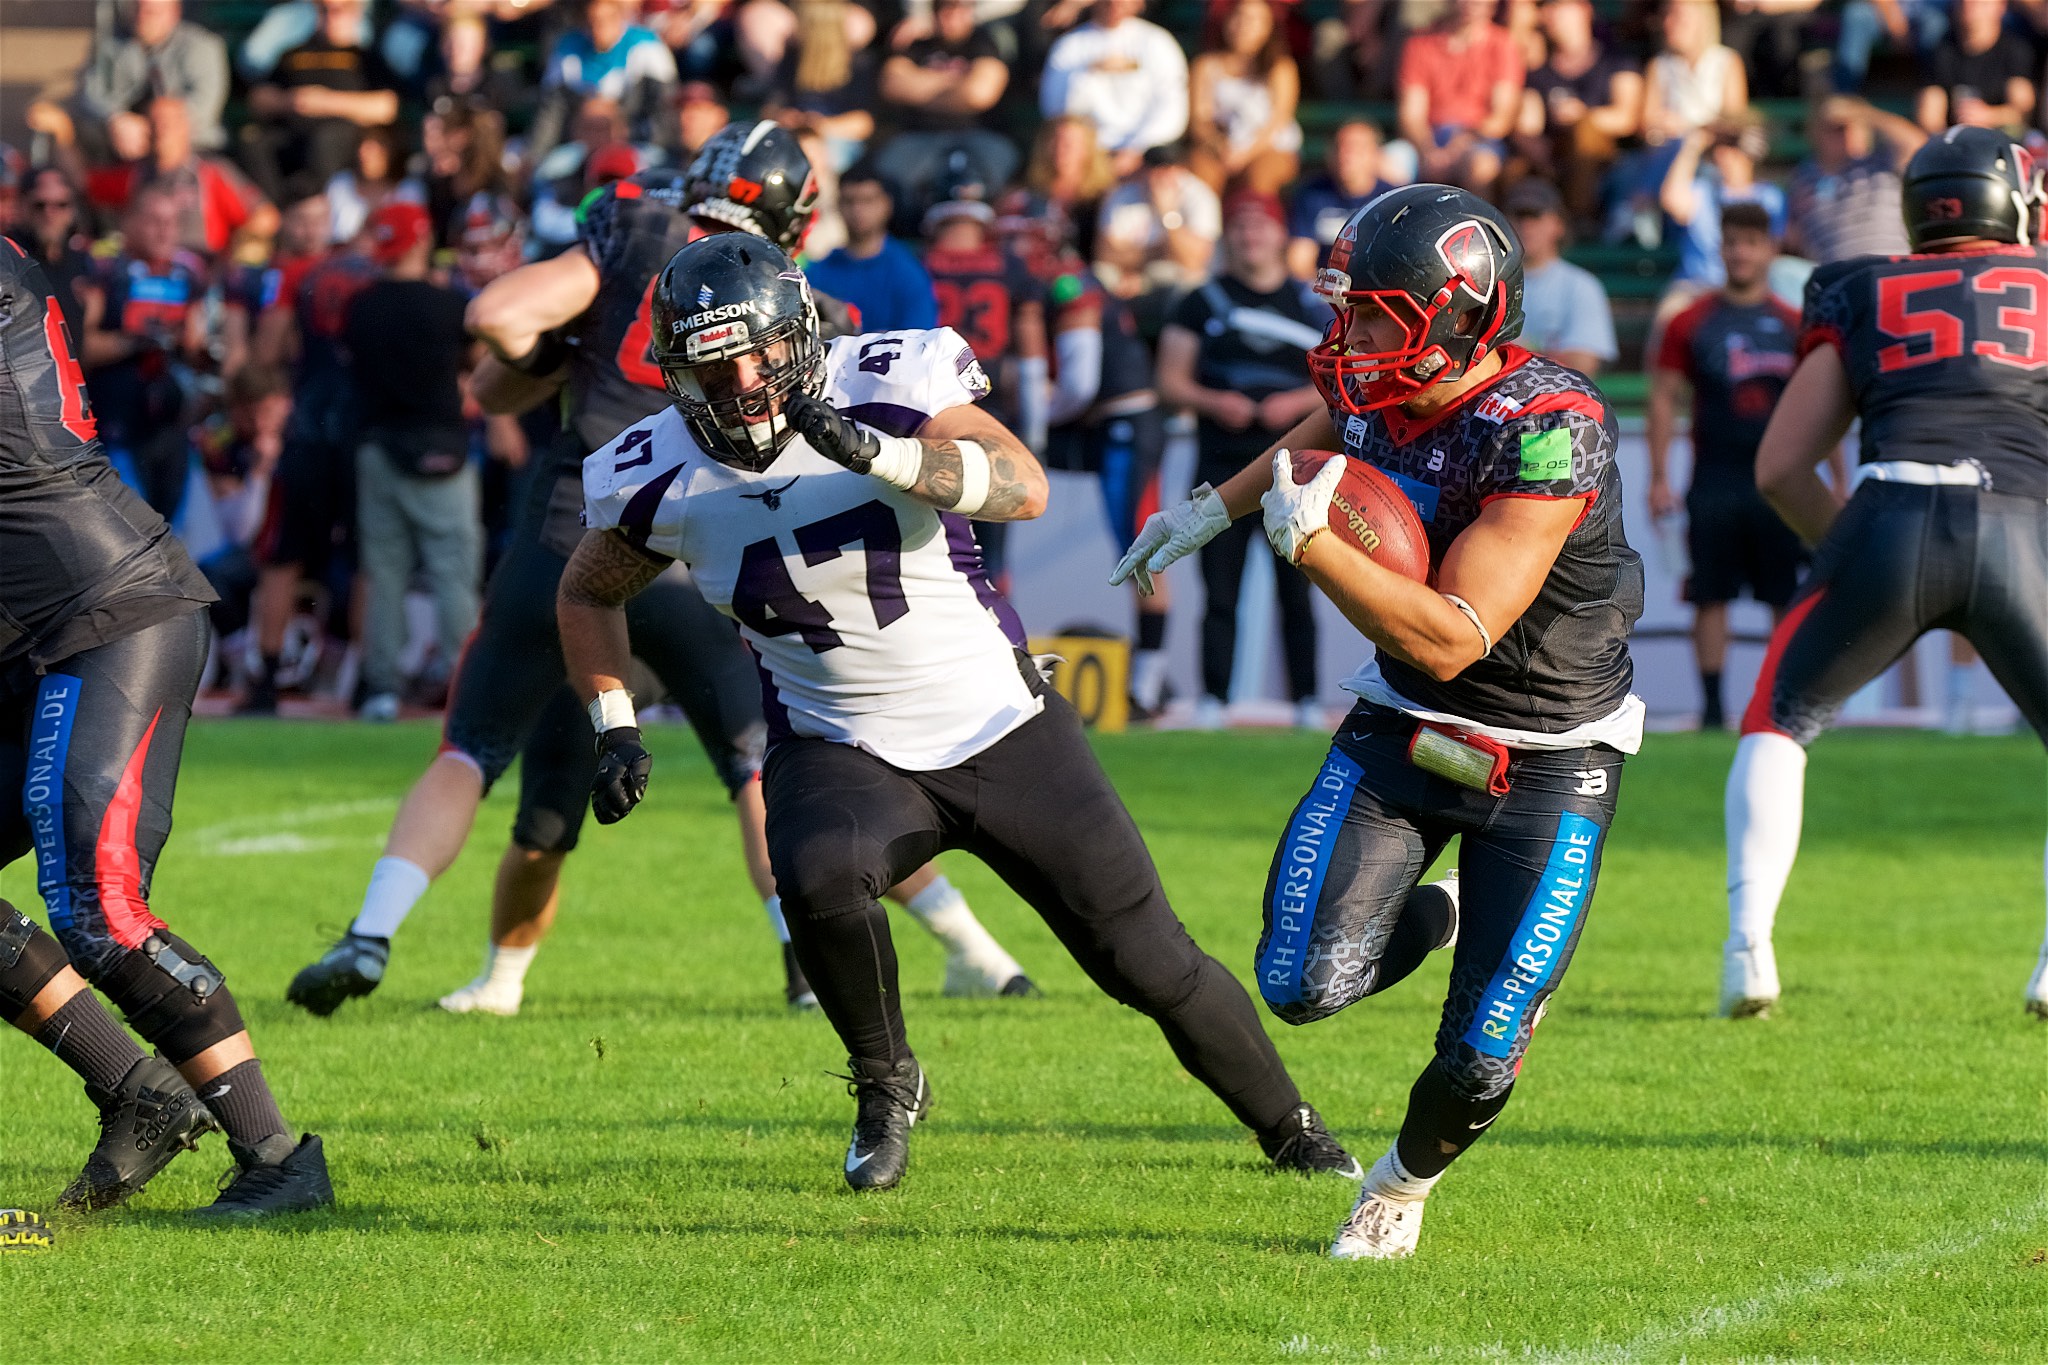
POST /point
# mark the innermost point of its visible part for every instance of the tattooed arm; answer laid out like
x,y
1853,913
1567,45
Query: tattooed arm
x,y
961,460
603,575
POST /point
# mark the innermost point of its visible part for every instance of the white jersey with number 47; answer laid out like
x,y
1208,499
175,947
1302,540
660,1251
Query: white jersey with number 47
x,y
867,609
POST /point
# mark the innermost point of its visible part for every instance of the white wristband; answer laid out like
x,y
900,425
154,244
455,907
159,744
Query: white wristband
x,y
1485,640
899,460
973,478
613,710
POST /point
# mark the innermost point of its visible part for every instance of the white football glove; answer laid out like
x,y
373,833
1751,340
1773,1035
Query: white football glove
x,y
1296,512
1166,536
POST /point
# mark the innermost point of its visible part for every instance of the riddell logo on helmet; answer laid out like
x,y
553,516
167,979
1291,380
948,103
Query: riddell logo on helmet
x,y
717,341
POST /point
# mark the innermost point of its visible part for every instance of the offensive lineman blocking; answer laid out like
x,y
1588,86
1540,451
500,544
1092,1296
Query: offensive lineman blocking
x,y
906,717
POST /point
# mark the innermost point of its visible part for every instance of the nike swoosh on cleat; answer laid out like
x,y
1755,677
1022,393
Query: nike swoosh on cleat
x,y
1477,1126
855,1159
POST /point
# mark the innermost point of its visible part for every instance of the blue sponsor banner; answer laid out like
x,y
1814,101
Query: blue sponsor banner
x,y
1539,941
1423,495
42,789
1304,862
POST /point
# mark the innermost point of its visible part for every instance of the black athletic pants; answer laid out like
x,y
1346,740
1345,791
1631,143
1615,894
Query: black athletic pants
x,y
843,826
1222,574
1354,848
1901,560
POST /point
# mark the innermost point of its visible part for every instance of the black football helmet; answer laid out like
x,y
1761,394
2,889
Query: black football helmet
x,y
754,177
1971,182
735,334
1441,262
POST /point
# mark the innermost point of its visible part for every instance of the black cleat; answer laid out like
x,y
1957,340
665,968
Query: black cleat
x,y
149,1119
1020,987
891,1099
352,967
795,989
1303,1145
273,1177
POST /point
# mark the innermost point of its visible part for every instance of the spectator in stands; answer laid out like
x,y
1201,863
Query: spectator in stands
x,y
1843,200
417,499
826,84
700,112
1769,36
939,87
238,448
160,54
605,55
1716,167
1242,98
376,178
1157,231
1126,76
1354,50
464,143
1910,25
1071,173
1460,92
1581,104
50,205
1235,352
218,207
699,33
1565,313
144,323
467,71
312,111
12,167
1695,79
1736,349
1352,176
1980,74
561,180
877,274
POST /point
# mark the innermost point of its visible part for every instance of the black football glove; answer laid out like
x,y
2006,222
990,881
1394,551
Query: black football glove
x,y
831,435
622,767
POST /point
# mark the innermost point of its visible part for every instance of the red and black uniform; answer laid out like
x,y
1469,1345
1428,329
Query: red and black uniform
x,y
979,293
1738,359
1553,692
510,697
140,400
102,639
1121,438
1947,360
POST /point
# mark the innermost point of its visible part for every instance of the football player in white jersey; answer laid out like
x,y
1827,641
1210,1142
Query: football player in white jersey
x,y
821,496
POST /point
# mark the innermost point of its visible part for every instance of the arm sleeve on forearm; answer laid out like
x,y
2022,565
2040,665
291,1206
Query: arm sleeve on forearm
x,y
1080,357
1032,399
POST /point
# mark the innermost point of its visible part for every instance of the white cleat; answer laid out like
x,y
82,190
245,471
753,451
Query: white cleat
x,y
2037,987
1749,981
983,978
484,996
1379,1229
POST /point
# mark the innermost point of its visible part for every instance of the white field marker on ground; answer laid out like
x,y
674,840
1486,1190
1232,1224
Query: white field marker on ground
x,y
251,835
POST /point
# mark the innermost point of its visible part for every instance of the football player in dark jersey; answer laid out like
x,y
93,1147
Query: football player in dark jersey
x,y
1943,355
580,321
1497,707
102,640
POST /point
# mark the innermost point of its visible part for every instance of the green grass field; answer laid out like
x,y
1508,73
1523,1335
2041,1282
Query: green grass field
x,y
644,1165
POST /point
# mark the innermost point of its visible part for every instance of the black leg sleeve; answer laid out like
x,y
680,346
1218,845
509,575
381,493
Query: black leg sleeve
x,y
1222,571
1297,628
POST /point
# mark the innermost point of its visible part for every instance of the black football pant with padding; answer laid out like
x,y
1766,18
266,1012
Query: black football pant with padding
x,y
1344,917
91,748
844,826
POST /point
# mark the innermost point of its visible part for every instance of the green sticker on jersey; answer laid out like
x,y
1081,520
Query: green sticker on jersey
x,y
1546,456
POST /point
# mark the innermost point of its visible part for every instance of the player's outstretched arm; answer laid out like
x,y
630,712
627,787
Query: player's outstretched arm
x,y
961,460
1807,427
604,573
514,314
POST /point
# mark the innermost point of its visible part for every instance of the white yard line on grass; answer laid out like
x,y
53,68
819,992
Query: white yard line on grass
x,y
277,832
1715,1319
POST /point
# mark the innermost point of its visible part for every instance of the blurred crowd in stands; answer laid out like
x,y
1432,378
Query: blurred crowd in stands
x,y
229,180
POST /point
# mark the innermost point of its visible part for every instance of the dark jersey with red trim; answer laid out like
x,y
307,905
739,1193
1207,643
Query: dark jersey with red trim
x,y
1738,358
1947,356
629,230
978,292
1070,287
139,398
320,304
1538,430
83,559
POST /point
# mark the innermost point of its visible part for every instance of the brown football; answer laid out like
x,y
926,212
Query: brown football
x,y
1371,512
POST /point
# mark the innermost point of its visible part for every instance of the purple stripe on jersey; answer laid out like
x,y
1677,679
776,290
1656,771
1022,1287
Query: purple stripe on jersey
x,y
891,419
637,518
772,708
966,555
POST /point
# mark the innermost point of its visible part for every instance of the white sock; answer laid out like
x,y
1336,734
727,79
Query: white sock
x,y
773,905
2043,959
945,914
1389,1179
1148,676
1765,802
396,885
507,966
